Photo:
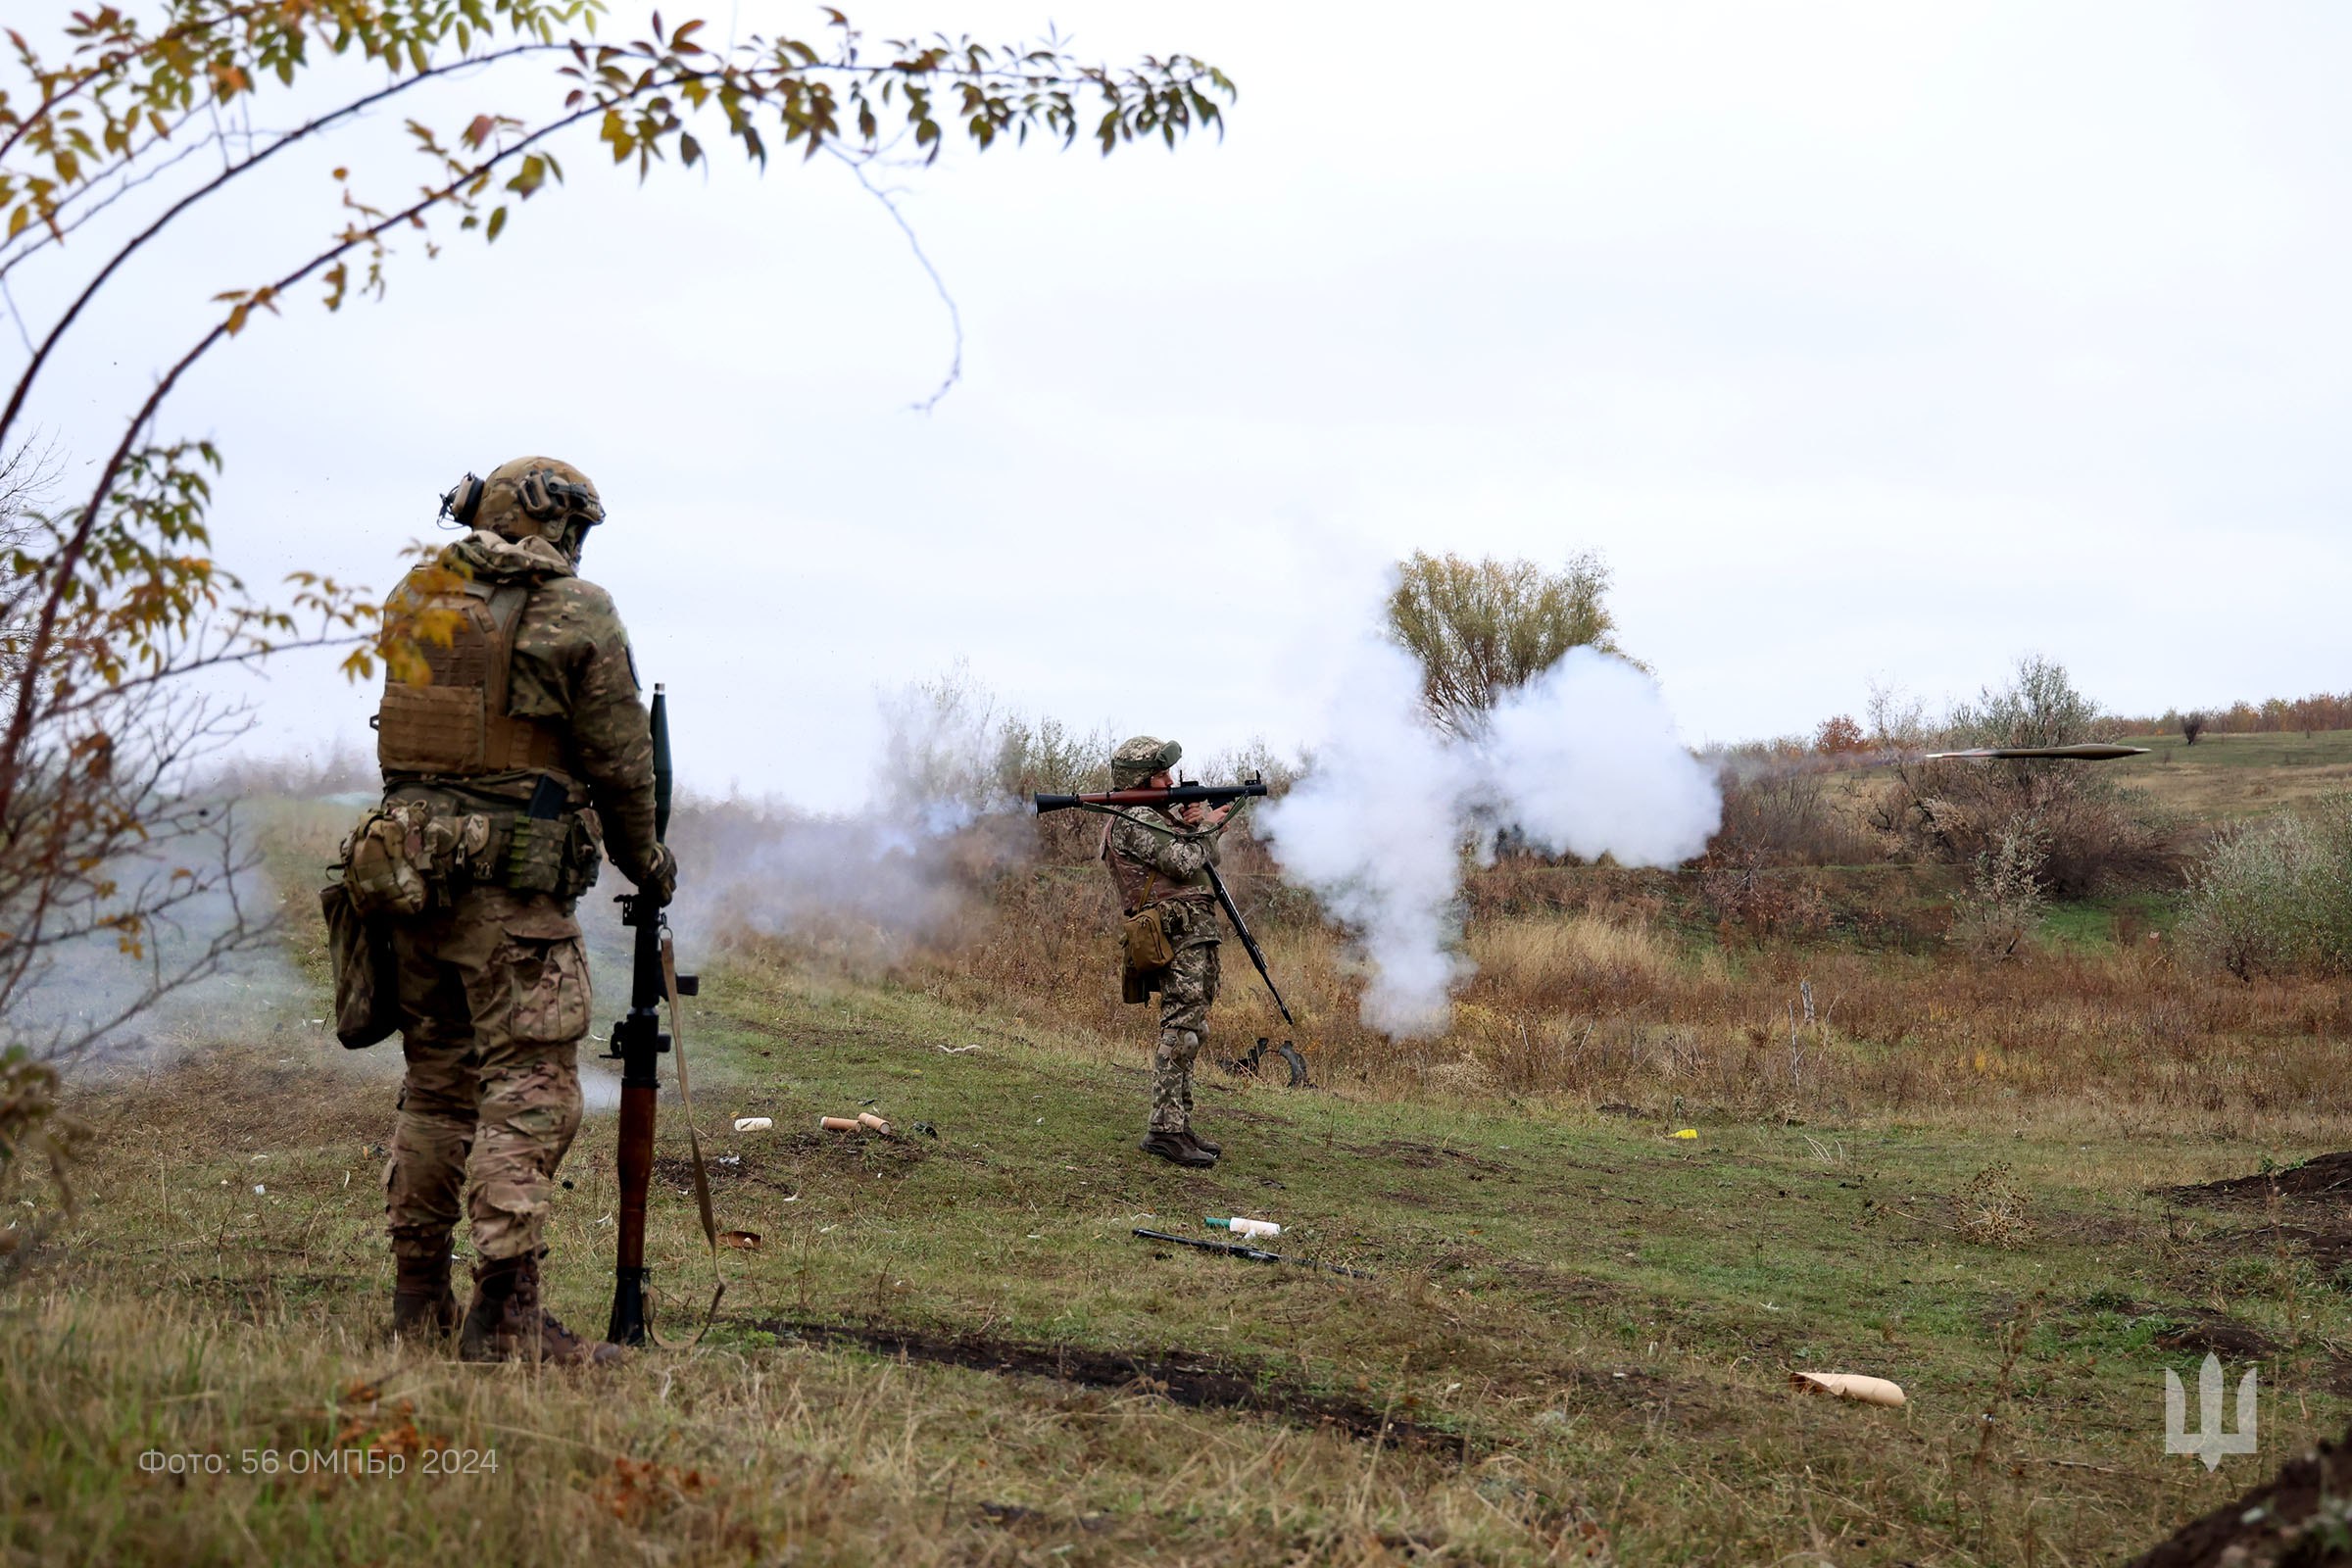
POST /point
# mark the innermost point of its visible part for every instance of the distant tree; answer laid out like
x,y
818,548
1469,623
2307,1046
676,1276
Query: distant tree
x,y
156,115
2192,725
1898,719
1839,736
1482,628
2039,706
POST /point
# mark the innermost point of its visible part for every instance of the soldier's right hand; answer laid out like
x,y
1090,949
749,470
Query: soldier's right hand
x,y
661,880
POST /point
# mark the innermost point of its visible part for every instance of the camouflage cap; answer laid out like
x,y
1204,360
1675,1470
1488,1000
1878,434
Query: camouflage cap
x,y
1141,757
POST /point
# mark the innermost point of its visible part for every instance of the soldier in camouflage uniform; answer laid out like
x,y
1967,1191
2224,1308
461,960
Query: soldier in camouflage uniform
x,y
1158,864
515,753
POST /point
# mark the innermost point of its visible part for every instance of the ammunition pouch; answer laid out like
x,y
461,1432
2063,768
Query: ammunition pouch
x,y
384,862
367,973
556,854
1147,951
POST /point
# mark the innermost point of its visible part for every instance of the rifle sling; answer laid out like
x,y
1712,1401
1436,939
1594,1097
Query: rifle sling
x,y
694,1144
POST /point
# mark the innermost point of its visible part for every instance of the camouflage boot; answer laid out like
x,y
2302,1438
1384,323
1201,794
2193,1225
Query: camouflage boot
x,y
507,1323
1178,1148
422,1304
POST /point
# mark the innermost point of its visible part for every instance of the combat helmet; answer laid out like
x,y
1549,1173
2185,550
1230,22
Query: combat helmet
x,y
1139,757
530,496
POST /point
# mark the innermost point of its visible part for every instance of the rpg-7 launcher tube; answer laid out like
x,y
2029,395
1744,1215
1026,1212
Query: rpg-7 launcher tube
x,y
661,768
1176,794
638,1042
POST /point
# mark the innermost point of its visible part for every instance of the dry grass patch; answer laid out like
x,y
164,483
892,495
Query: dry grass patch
x,y
1991,1209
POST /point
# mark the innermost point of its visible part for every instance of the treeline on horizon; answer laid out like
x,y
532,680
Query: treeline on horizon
x,y
2322,710
1842,734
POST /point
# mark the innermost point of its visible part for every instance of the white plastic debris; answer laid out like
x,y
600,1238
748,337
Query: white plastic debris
x,y
1245,1227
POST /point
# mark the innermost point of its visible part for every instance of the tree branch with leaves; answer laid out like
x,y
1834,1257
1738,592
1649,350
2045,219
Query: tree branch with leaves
x,y
144,117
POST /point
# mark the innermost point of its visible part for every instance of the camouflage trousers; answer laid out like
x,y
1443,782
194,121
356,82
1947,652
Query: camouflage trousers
x,y
1188,987
493,1004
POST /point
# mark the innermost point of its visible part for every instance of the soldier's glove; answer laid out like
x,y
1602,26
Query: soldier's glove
x,y
661,880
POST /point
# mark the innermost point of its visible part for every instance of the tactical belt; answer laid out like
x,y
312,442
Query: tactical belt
x,y
540,839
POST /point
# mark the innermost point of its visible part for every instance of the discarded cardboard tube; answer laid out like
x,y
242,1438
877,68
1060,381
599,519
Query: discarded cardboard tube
x,y
838,1124
1242,1227
753,1124
1849,1385
867,1119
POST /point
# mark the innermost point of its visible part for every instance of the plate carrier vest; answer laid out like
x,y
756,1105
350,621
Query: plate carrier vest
x,y
456,726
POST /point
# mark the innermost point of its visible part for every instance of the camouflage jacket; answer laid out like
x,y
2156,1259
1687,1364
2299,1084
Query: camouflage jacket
x,y
573,671
1154,859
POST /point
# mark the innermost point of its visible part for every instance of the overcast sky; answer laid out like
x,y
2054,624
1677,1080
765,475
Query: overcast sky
x,y
1873,341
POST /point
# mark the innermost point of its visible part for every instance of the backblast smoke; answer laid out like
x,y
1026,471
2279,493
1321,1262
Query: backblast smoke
x,y
868,882
1583,760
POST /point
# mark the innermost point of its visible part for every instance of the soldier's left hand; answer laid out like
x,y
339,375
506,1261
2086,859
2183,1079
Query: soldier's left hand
x,y
661,882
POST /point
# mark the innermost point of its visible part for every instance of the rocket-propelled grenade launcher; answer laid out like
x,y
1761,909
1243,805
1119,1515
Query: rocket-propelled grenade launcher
x,y
1188,794
637,1044
1173,795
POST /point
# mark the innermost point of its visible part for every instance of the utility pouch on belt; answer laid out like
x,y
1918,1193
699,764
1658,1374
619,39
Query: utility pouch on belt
x,y
550,850
384,861
1148,952
367,981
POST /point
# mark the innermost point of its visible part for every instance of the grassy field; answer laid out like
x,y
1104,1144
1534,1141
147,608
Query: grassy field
x,y
1982,1179
2225,777
1575,1349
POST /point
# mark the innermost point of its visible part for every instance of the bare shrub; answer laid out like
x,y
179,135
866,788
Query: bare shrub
x,y
2004,899
2275,897
2091,837
1748,901
1781,809
1898,720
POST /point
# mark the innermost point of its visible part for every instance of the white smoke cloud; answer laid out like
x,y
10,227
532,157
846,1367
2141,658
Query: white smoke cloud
x,y
1374,830
1583,758
874,879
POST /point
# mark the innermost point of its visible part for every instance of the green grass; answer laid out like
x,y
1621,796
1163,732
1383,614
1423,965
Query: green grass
x,y
2229,776
2096,924
1591,1319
